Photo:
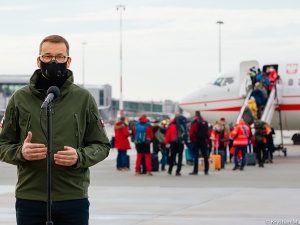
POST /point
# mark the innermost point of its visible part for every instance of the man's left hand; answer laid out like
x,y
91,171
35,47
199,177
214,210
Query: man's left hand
x,y
66,157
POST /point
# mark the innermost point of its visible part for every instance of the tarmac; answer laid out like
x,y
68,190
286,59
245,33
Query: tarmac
x,y
269,195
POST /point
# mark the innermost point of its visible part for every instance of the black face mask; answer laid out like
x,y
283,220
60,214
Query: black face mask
x,y
53,70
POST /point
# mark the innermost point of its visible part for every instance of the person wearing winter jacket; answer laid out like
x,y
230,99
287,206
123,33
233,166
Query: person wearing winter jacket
x,y
143,135
240,134
122,143
199,136
79,140
252,105
158,142
175,146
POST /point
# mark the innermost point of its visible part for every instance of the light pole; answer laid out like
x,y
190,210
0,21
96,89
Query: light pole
x,y
83,63
220,23
121,8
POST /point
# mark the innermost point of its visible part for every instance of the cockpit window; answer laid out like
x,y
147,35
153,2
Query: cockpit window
x,y
222,81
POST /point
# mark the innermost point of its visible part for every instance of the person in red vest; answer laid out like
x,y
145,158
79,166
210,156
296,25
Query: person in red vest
x,y
240,135
272,76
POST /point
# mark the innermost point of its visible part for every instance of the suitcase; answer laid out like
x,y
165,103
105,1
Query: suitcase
x,y
217,158
211,162
188,155
155,163
250,159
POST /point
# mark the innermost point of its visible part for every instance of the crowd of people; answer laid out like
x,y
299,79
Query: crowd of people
x,y
161,145
262,84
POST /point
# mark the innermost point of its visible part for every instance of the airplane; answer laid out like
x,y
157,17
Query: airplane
x,y
226,95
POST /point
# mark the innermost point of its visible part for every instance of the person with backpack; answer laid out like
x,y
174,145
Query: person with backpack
x,y
175,138
143,137
199,136
240,135
261,131
158,144
259,97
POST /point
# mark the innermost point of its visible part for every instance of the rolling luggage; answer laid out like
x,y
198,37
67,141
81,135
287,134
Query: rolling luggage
x,y
217,159
188,156
211,162
250,159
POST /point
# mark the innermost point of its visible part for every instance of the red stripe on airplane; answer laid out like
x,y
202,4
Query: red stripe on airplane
x,y
290,107
213,101
231,109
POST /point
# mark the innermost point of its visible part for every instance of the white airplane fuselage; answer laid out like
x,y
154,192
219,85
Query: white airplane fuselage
x,y
220,99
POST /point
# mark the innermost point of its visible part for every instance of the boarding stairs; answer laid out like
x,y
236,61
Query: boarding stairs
x,y
270,107
245,103
274,100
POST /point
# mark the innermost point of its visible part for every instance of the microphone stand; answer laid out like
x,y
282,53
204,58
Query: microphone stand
x,y
49,150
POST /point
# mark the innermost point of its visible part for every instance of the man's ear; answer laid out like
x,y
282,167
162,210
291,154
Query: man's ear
x,y
38,62
69,62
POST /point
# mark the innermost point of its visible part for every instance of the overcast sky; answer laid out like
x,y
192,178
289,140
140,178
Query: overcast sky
x,y
170,47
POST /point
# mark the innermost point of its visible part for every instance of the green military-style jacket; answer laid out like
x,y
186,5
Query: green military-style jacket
x,y
76,123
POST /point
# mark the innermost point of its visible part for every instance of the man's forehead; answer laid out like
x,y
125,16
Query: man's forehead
x,y
53,47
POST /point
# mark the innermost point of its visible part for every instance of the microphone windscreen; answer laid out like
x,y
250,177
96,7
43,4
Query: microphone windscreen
x,y
54,90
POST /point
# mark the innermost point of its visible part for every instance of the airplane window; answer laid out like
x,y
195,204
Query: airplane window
x,y
228,80
290,82
218,81
221,81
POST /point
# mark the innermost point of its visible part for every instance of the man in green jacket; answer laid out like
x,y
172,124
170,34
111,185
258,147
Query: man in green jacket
x,y
79,141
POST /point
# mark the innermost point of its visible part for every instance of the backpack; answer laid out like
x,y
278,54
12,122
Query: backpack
x,y
182,130
140,135
247,116
202,128
160,137
259,134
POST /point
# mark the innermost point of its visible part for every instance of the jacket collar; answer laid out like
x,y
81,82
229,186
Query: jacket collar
x,y
66,87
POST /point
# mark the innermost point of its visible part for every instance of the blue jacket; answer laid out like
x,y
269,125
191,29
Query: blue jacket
x,y
259,96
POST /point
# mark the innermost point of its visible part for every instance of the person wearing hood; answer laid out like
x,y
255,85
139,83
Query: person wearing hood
x,y
252,105
122,143
143,135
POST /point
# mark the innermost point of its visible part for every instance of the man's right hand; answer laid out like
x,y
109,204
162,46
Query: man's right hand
x,y
33,151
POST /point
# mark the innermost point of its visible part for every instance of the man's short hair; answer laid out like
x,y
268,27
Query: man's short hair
x,y
55,39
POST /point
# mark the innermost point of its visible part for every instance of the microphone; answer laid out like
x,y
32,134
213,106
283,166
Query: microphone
x,y
52,93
